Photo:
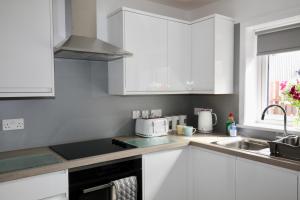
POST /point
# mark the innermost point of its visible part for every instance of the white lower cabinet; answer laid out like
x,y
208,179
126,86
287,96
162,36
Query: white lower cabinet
x,y
200,174
212,175
57,197
259,181
191,173
52,186
165,175
298,186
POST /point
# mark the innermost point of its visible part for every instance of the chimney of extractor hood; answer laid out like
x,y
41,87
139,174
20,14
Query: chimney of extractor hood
x,y
84,18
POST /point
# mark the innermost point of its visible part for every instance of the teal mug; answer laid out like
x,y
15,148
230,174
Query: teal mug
x,y
189,131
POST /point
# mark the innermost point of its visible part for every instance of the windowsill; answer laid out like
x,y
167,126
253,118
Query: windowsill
x,y
269,128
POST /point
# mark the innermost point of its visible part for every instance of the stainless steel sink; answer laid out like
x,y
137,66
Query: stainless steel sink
x,y
241,143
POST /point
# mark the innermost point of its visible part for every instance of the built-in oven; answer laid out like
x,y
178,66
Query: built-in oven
x,y
94,182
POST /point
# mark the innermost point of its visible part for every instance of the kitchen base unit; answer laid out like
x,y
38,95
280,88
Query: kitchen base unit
x,y
52,186
165,175
259,181
212,175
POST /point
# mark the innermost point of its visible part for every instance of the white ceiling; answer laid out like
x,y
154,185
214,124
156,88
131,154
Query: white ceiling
x,y
185,4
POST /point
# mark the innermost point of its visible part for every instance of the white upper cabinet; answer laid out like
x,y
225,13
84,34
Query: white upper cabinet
x,y
26,50
203,56
170,56
146,38
179,56
61,20
212,55
259,181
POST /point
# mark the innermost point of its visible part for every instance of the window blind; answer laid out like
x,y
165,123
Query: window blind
x,y
278,40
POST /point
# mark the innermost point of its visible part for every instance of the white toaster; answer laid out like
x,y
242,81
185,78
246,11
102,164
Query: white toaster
x,y
151,127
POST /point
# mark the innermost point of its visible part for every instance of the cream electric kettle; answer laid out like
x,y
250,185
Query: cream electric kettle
x,y
205,120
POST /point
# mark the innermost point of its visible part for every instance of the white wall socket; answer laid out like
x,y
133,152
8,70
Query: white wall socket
x,y
12,124
145,114
136,114
156,113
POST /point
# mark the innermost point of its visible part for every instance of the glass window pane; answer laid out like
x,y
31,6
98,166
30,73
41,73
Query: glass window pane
x,y
282,67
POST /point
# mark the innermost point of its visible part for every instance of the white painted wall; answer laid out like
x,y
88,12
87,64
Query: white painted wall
x,y
243,10
105,7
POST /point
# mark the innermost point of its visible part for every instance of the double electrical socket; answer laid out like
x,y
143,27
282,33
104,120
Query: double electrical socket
x,y
136,114
12,124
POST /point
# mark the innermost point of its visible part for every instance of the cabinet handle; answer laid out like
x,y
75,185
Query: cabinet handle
x,y
100,187
153,127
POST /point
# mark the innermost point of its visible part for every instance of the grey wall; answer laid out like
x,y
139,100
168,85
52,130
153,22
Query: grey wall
x,y
221,105
81,110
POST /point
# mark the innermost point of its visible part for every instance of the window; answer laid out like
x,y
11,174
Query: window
x,y
276,70
270,53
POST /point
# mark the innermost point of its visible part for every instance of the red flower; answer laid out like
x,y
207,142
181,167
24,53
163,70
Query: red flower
x,y
294,93
293,90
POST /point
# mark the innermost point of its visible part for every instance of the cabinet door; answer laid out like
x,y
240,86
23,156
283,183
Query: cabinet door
x,y
60,9
224,54
57,197
203,56
298,186
212,175
26,64
179,56
146,38
36,187
261,182
165,175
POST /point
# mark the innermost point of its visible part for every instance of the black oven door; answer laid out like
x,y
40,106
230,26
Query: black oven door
x,y
95,183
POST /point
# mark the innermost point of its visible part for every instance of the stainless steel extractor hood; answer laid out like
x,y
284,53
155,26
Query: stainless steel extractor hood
x,y
82,44
86,48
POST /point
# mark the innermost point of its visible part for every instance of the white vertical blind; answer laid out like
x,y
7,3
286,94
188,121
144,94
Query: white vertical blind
x,y
283,66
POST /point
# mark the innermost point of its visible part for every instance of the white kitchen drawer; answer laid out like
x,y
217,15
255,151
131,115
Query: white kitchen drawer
x,y
36,187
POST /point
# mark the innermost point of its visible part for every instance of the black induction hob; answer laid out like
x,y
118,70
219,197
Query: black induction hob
x,y
84,149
